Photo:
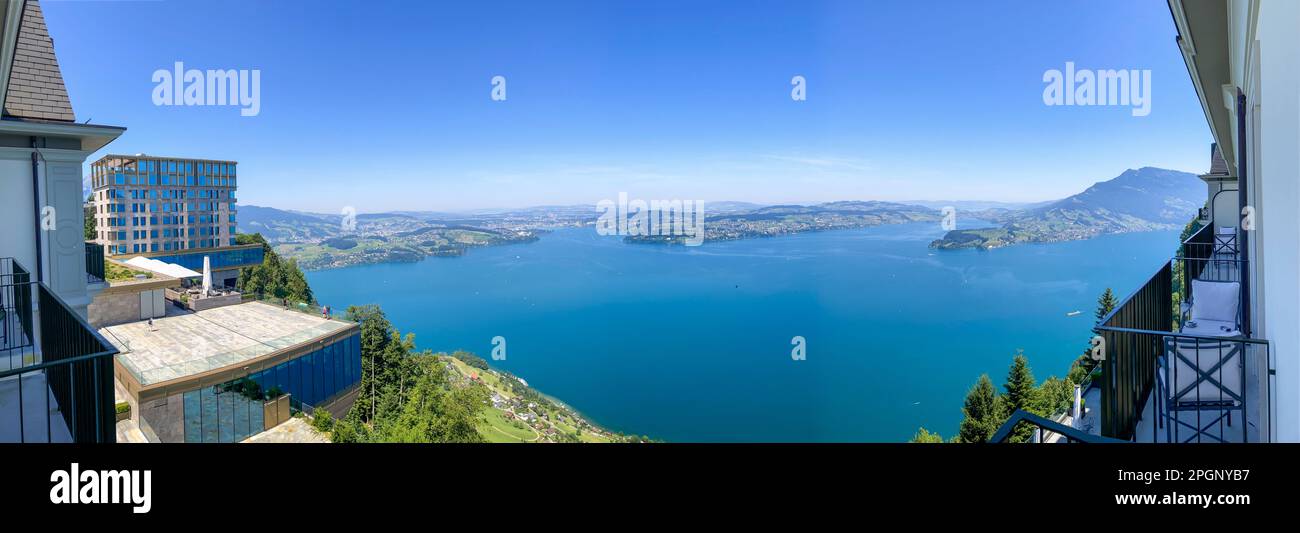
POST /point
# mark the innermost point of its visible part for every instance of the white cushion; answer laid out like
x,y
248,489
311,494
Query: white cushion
x,y
1215,300
1180,374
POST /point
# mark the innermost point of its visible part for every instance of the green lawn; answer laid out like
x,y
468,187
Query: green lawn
x,y
496,428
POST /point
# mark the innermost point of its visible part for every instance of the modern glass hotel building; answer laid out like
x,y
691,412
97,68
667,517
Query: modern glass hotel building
x,y
176,210
227,373
234,410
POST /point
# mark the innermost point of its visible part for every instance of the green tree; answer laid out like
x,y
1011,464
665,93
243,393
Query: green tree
x,y
376,334
924,436
982,413
1105,304
296,282
89,221
434,411
1055,395
1020,392
1083,365
275,277
1177,273
322,420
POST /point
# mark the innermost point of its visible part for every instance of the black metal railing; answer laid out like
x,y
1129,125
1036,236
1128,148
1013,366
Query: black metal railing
x,y
1209,256
1199,246
1128,364
66,368
1045,428
1146,355
15,313
94,262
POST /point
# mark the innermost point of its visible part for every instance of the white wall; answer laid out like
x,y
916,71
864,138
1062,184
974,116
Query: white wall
x,y
65,246
63,249
1276,180
16,223
1224,207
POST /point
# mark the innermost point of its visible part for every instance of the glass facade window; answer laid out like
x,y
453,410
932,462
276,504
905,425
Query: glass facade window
x,y
220,259
146,178
233,411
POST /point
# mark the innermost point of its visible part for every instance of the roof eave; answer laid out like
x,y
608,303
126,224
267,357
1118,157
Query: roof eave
x,y
1203,42
92,136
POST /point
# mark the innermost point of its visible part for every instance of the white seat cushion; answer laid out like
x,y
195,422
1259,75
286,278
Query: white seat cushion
x,y
1215,300
1181,374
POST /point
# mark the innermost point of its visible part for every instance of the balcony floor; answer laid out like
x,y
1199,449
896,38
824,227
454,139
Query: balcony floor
x,y
36,418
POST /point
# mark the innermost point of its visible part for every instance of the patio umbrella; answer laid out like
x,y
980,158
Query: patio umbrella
x,y
207,276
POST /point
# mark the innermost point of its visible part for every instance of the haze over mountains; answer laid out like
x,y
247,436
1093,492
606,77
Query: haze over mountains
x,y
1143,199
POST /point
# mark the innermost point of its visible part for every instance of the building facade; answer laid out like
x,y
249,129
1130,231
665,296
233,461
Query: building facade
x,y
227,373
176,210
145,204
55,371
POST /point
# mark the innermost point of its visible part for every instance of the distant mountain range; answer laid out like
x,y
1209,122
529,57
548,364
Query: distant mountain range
x,y
1143,199
320,241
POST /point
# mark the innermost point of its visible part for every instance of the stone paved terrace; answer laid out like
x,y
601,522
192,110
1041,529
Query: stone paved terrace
x,y
293,431
185,343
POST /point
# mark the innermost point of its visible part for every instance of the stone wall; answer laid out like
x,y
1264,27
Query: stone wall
x,y
212,302
108,309
163,420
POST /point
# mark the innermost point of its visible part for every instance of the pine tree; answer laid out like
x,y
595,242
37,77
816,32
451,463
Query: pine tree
x,y
1021,394
1105,304
983,415
1083,366
376,333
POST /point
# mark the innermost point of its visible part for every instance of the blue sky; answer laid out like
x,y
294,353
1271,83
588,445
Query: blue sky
x,y
386,105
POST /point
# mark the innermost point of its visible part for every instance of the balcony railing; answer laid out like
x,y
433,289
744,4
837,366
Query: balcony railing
x,y
1043,427
94,262
56,372
310,308
15,309
1187,383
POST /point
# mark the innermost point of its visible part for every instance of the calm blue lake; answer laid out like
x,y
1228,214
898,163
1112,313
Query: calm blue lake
x,y
693,344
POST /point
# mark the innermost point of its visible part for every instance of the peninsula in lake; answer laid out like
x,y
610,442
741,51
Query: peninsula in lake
x,y
1144,199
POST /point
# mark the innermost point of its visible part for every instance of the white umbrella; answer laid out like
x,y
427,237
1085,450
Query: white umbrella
x,y
1077,411
207,276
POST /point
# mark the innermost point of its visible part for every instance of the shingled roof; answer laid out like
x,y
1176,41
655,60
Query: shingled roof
x,y
1218,166
36,89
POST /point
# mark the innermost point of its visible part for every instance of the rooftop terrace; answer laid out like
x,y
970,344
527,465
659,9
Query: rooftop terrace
x,y
186,343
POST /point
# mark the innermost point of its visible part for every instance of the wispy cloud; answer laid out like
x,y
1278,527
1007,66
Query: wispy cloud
x,y
826,162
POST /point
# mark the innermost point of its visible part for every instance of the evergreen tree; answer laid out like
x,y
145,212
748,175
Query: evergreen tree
x,y
1083,366
296,282
1190,229
1020,386
376,333
1055,395
88,221
1105,304
924,436
982,414
1021,392
276,277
